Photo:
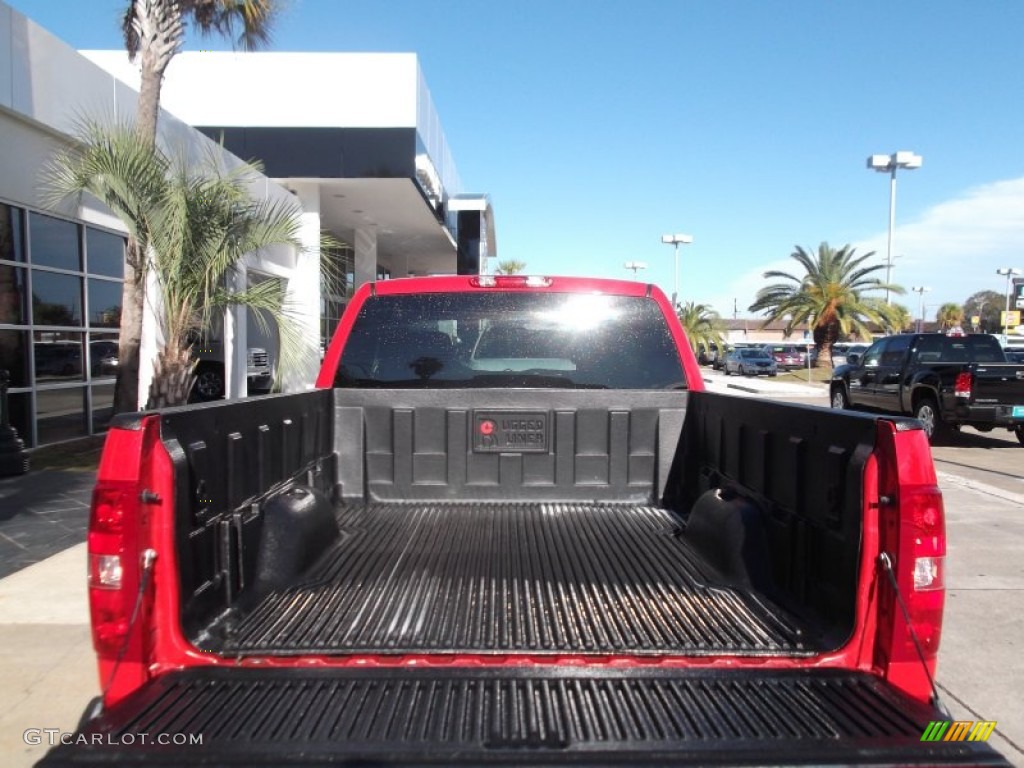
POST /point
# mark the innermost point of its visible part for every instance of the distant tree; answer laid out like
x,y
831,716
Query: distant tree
x,y
702,324
985,305
830,296
901,318
950,315
52,313
511,267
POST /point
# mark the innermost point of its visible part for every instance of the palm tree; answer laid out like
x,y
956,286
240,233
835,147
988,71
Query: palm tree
x,y
510,267
192,226
154,31
901,318
950,315
702,324
830,296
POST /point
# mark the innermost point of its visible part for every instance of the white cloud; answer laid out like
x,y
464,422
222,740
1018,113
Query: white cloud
x,y
954,248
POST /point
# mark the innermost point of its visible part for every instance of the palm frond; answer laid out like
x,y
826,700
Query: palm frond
x,y
246,23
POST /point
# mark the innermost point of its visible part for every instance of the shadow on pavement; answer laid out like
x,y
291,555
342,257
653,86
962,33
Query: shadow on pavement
x,y
42,513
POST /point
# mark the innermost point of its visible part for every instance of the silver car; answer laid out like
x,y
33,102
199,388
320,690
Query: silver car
x,y
750,362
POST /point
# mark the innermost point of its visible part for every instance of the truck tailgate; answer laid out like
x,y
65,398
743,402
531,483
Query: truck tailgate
x,y
547,715
999,384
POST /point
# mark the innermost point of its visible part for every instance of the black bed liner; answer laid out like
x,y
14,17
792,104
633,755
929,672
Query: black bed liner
x,y
579,716
497,578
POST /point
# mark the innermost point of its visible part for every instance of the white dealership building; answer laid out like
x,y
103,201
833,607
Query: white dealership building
x,y
352,138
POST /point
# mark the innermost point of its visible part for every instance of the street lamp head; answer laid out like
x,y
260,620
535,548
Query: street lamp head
x,y
887,163
906,160
1008,271
879,162
677,239
920,289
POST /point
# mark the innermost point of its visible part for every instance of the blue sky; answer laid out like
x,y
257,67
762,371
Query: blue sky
x,y
598,125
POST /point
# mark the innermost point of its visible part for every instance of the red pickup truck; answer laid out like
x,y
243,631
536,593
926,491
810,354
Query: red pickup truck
x,y
510,526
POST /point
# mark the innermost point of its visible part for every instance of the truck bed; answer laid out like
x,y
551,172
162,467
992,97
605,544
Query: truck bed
x,y
518,577
391,531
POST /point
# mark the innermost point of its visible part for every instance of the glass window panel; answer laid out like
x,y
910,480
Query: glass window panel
x,y
60,414
105,253
13,306
58,356
54,242
103,355
21,415
56,299
12,247
105,303
14,356
517,339
102,406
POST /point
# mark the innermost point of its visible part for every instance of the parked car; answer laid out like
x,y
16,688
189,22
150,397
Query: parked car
x,y
842,350
708,355
750,361
58,358
210,380
103,359
787,356
718,363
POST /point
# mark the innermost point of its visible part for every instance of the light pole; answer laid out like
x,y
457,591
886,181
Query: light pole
x,y
921,290
636,266
1010,273
889,164
675,240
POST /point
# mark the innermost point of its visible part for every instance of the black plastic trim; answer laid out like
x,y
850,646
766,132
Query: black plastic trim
x,y
554,715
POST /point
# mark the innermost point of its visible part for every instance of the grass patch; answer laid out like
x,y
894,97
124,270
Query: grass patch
x,y
817,376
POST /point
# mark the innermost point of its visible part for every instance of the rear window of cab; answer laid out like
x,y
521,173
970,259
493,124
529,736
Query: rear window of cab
x,y
514,339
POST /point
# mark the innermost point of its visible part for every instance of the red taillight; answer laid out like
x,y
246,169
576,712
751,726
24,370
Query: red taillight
x,y
921,569
510,281
913,543
113,566
963,385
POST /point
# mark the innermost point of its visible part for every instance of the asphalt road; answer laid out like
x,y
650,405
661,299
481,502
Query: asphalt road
x,y
995,458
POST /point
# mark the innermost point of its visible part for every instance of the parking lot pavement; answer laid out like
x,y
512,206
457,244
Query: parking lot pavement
x,y
42,513
47,667
980,674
